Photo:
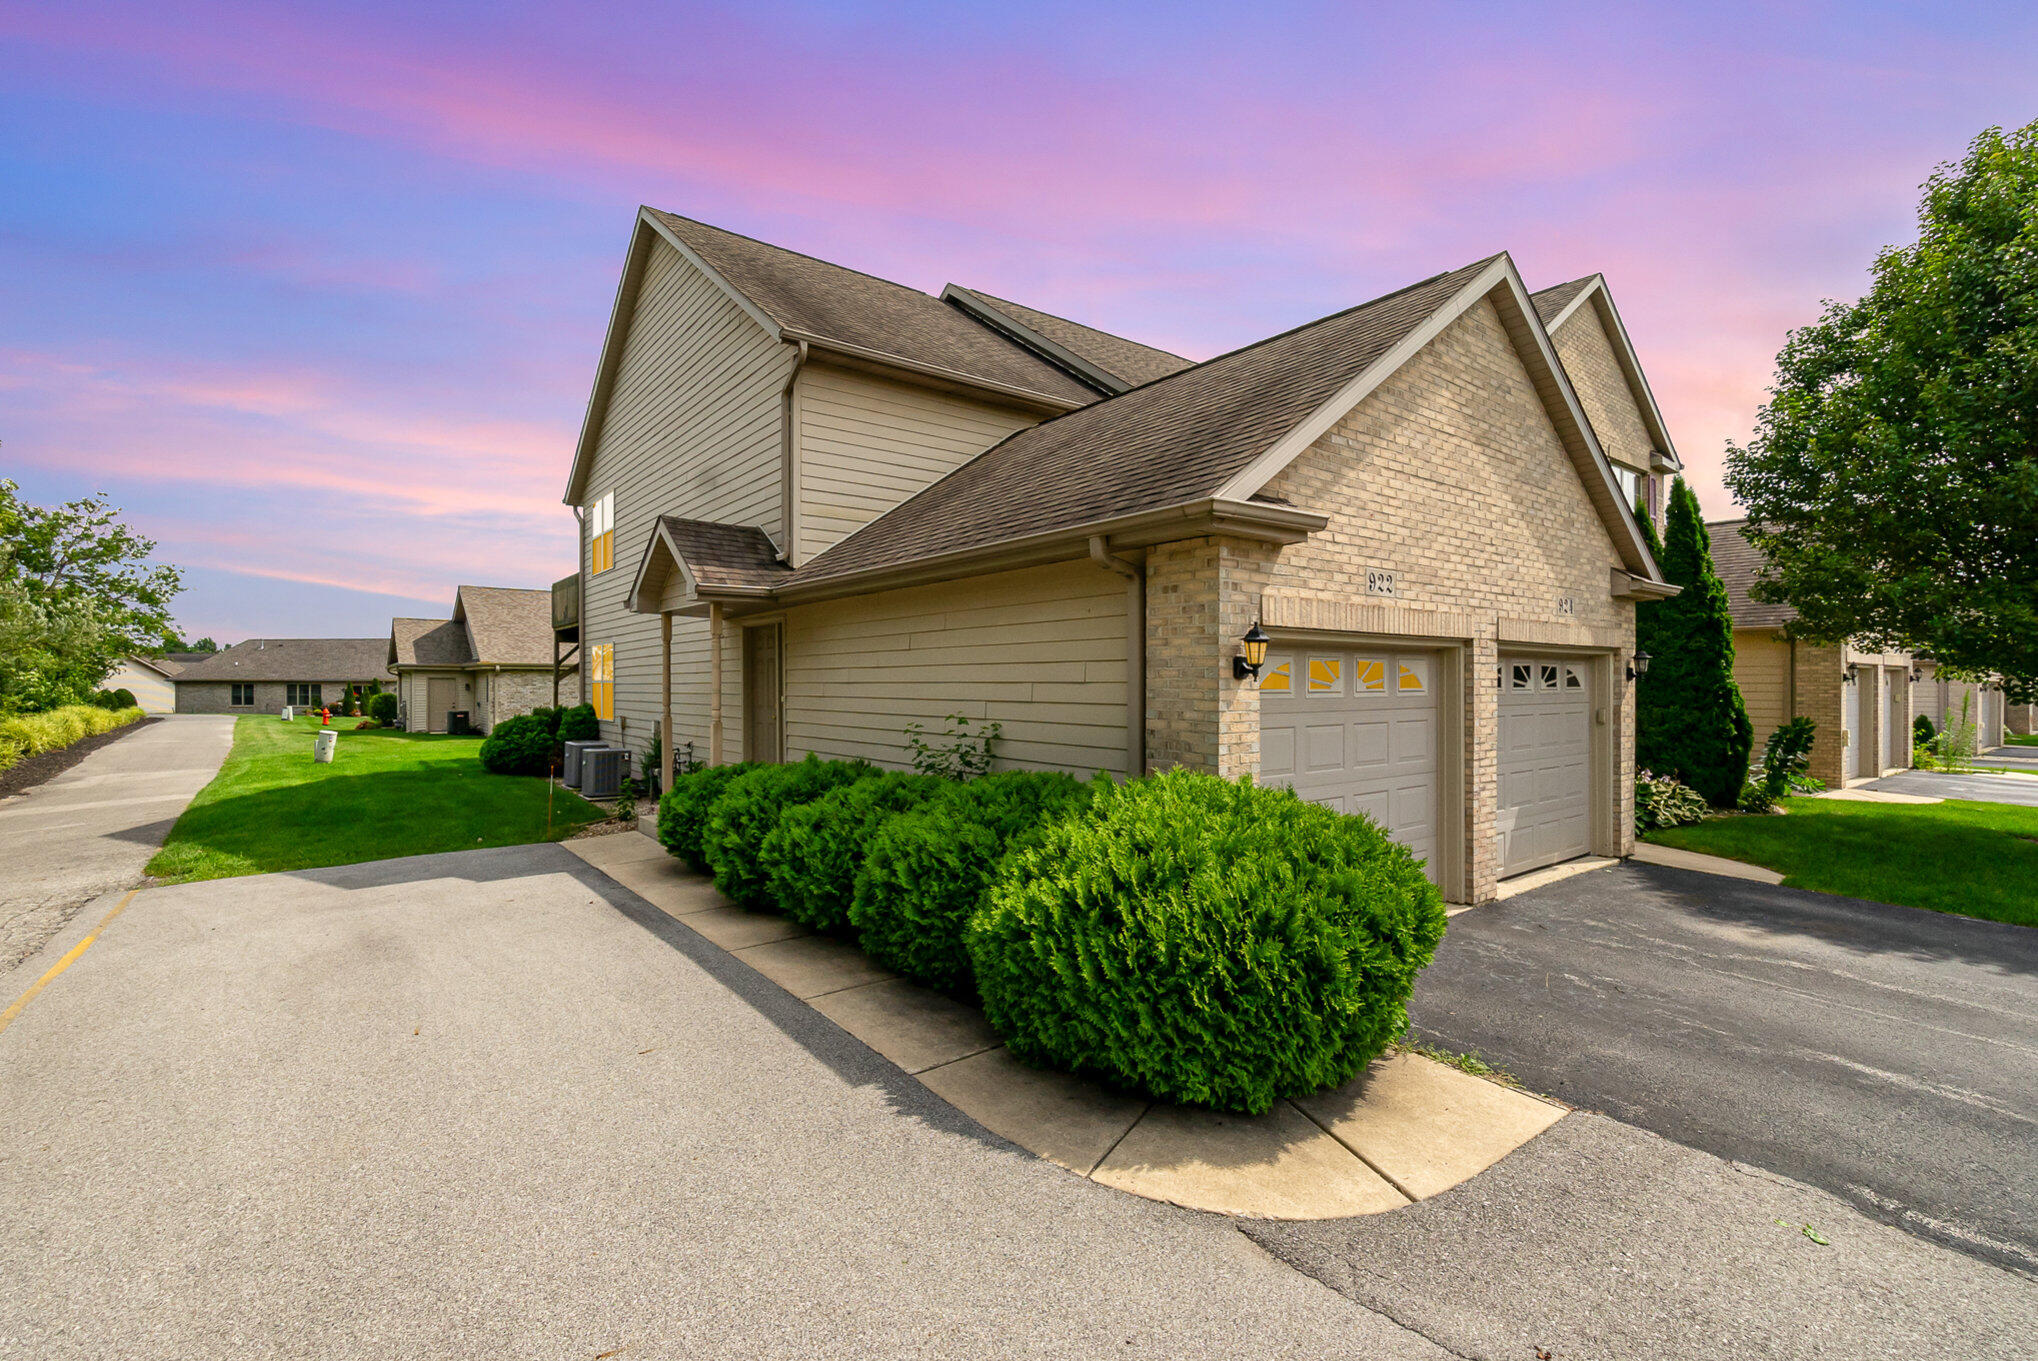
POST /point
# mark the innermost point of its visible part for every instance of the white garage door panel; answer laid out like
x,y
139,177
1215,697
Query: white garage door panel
x,y
1355,731
1545,761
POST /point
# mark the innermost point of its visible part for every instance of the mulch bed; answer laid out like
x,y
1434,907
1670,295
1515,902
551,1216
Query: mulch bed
x,y
27,774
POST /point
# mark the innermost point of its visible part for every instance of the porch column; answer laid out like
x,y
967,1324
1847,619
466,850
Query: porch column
x,y
664,699
714,685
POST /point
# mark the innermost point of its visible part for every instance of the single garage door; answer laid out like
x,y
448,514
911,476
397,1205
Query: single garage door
x,y
1356,731
1850,716
1545,761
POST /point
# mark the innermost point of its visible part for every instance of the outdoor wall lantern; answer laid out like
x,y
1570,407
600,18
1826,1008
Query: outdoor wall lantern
x,y
1246,665
1853,672
1639,667
1917,676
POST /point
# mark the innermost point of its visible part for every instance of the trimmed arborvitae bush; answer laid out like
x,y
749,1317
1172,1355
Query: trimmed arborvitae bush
x,y
812,857
548,717
519,746
382,708
578,724
748,810
926,871
683,812
1922,730
1205,942
1690,722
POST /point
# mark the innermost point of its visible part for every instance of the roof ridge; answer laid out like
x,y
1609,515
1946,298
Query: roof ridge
x,y
1069,321
1568,283
788,250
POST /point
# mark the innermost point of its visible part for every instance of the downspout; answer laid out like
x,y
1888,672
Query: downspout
x,y
787,479
1135,652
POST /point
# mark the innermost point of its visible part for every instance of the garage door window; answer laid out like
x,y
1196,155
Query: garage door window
x,y
1413,676
1276,677
1326,675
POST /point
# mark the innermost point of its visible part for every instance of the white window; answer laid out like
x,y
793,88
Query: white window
x,y
601,532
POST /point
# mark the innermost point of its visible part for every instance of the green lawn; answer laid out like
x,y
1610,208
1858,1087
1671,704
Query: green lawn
x,y
2028,740
271,807
1974,859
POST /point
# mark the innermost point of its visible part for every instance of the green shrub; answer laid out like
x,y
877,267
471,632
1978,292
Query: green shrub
x,y
926,871
25,735
550,718
683,812
959,754
1756,798
812,856
1663,802
748,810
382,708
1205,942
1922,730
1787,755
519,746
578,724
113,700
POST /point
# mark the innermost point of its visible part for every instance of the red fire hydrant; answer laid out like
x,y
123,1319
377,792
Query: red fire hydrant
x,y
325,718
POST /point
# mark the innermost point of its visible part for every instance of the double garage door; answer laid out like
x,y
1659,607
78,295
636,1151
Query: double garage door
x,y
1358,730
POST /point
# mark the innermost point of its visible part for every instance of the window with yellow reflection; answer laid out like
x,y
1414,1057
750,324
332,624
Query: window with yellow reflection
x,y
601,671
1277,677
1412,677
601,529
1369,676
1324,673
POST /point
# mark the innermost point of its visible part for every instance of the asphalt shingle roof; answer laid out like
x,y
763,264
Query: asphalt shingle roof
x,y
1126,360
508,625
428,642
1739,566
829,302
1174,440
295,659
724,554
1551,301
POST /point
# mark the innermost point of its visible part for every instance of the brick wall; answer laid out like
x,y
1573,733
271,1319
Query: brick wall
x,y
1587,351
214,697
1451,476
510,693
1819,695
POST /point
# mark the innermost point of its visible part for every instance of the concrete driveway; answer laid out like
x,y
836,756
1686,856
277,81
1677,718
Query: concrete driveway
x,y
492,1105
89,831
1886,1054
1944,785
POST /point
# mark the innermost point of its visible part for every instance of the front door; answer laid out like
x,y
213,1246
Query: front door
x,y
1545,761
442,695
763,729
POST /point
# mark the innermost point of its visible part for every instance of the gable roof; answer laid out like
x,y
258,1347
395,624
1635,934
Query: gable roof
x,y
1738,564
1556,306
295,659
1111,362
427,642
506,625
1213,433
161,666
796,299
491,626
712,556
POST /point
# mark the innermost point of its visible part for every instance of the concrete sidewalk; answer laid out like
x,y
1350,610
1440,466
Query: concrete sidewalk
x,y
90,830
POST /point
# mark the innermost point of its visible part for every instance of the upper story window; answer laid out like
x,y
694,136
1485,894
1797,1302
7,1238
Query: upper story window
x,y
601,529
601,671
1630,483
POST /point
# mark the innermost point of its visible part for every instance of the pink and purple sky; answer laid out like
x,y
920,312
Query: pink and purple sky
x,y
316,293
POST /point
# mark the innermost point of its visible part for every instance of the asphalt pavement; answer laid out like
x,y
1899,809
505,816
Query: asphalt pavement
x,y
1885,1054
1947,785
89,831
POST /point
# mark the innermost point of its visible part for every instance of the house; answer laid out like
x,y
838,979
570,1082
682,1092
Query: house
x,y
492,659
817,506
1862,702
1593,346
263,675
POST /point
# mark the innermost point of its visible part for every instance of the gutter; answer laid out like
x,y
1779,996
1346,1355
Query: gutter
x,y
1135,651
788,471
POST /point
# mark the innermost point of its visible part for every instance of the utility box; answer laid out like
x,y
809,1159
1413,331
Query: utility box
x,y
288,713
460,722
326,747
574,759
602,772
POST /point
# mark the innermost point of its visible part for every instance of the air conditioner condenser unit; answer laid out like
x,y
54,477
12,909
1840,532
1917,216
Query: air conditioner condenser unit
x,y
602,772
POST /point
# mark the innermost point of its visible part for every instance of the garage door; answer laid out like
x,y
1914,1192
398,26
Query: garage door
x,y
1356,731
1545,761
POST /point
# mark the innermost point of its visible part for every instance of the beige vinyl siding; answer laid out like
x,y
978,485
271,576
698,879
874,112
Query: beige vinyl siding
x,y
1588,357
1041,651
692,429
1762,670
868,443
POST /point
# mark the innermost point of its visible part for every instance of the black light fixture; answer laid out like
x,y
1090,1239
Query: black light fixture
x,y
1639,666
1246,666
1917,675
1853,672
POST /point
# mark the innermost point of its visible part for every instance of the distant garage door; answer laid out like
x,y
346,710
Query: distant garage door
x,y
1545,761
1356,731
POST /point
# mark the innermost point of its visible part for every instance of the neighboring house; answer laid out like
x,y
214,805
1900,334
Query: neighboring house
x,y
1951,701
1860,702
817,506
492,659
263,675
149,679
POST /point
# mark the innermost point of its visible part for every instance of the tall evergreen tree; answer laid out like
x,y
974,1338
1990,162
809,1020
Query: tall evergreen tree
x,y
1690,721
